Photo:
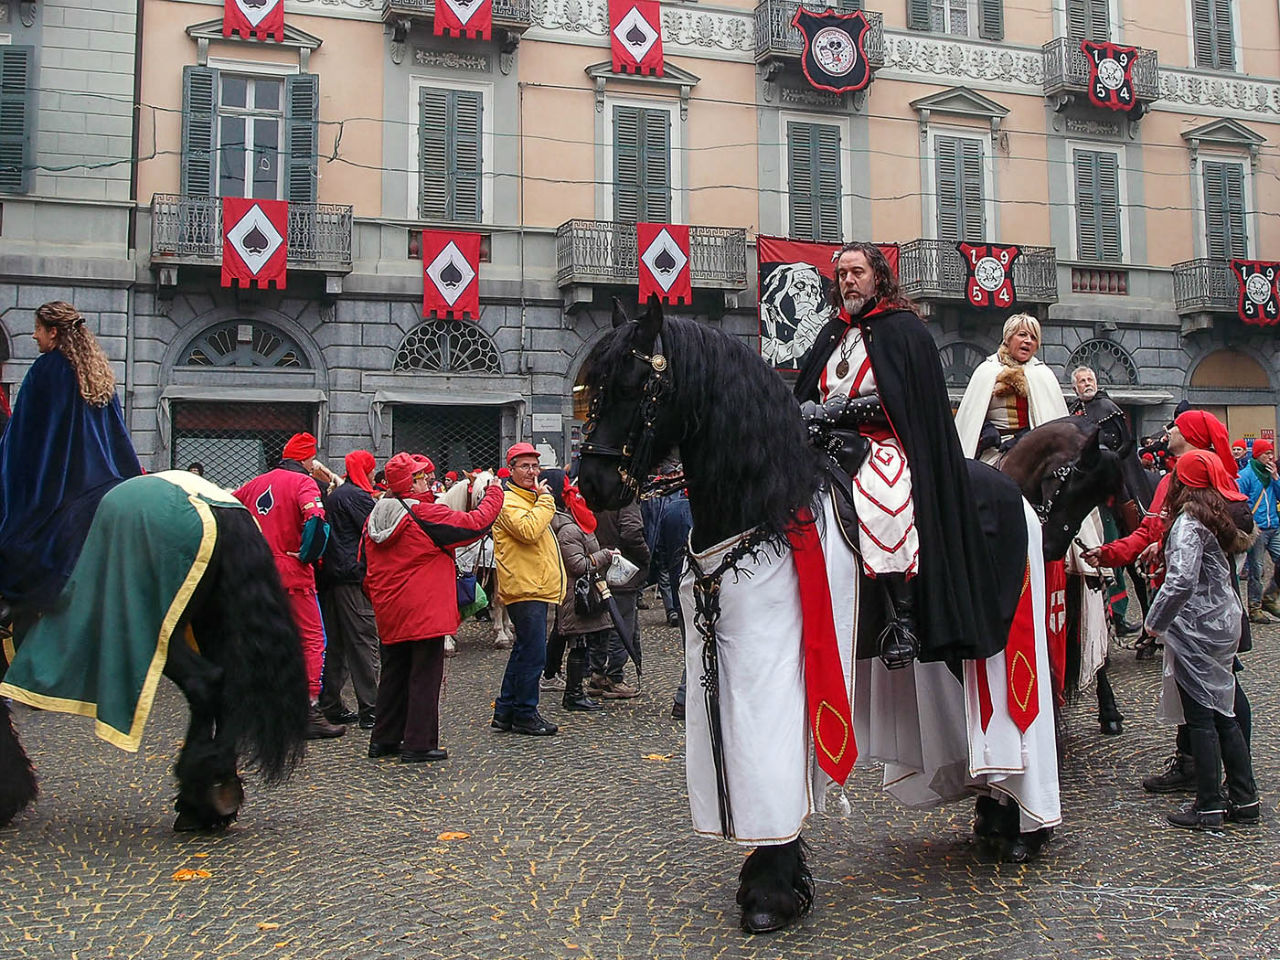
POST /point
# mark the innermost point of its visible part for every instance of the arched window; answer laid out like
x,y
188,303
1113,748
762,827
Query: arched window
x,y
959,360
1110,362
244,343
1230,370
448,346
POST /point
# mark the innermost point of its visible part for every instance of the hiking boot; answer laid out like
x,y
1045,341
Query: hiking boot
x,y
1258,615
534,726
318,728
1271,605
597,685
1179,776
1195,819
619,690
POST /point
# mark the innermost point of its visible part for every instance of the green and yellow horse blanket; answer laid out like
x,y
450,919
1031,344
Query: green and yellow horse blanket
x,y
100,651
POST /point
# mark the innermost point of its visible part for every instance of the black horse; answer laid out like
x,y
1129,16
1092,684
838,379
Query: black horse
x,y
659,385
243,677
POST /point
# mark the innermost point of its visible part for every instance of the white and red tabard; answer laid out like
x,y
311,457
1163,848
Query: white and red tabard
x,y
664,262
254,19
635,36
255,246
450,274
472,19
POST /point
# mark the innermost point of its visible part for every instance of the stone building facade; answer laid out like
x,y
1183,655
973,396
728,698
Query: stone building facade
x,y
975,126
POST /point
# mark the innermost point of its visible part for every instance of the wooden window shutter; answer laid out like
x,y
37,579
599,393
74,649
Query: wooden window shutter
x,y
301,124
434,195
1215,204
1088,20
466,163
972,208
626,164
1108,205
849,6
1237,236
946,165
918,17
199,109
17,114
1087,205
828,195
814,197
991,19
800,181
655,166
1224,57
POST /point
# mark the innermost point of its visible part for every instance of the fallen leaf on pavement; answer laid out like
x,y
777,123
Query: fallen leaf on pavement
x,y
661,757
188,874
268,925
453,835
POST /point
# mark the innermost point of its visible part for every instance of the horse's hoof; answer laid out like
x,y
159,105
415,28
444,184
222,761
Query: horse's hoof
x,y
226,796
766,921
1112,728
188,822
1018,851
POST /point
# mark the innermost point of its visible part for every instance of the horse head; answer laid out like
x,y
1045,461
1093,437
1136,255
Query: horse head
x,y
630,425
1065,473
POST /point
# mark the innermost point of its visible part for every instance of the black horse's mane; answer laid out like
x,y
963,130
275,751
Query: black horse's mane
x,y
742,442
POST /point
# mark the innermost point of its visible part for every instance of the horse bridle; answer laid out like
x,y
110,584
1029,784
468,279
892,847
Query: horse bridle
x,y
637,443
1058,479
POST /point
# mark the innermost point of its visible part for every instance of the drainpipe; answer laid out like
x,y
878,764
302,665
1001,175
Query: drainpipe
x,y
524,307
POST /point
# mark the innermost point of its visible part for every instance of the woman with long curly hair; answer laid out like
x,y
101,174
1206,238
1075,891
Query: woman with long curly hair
x,y
64,448
1198,612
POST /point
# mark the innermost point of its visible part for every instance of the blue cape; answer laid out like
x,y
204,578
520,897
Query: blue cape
x,y
58,457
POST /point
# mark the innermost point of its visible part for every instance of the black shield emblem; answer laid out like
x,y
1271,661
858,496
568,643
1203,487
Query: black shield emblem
x,y
834,57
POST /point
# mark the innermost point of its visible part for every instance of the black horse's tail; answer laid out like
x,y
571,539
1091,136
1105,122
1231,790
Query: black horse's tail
x,y
251,635
17,779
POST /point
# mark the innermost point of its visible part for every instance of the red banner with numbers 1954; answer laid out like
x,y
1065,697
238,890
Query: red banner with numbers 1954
x,y
1259,299
989,274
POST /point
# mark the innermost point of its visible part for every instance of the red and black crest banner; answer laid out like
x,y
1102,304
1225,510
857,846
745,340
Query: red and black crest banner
x,y
1259,300
1110,74
450,274
796,277
989,274
472,19
254,19
635,36
834,57
255,242
664,262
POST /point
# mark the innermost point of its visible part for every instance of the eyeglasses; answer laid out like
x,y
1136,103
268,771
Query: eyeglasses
x,y
527,466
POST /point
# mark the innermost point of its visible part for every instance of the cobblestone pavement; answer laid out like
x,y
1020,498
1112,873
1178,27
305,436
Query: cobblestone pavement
x,y
579,846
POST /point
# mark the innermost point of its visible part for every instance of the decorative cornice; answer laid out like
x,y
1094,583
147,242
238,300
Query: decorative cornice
x,y
451,60
1219,93
695,32
911,55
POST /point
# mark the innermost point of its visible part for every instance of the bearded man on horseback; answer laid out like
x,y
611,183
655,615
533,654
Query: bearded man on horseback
x,y
873,394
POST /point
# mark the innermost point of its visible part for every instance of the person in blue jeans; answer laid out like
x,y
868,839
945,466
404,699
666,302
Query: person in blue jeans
x,y
1260,484
531,579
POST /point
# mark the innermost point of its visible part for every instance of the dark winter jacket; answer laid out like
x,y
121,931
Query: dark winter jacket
x,y
624,530
580,552
347,508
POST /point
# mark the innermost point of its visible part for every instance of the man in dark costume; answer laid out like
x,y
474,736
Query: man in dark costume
x,y
873,392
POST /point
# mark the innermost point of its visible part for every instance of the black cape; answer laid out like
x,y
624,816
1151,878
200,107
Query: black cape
x,y
962,610
1114,434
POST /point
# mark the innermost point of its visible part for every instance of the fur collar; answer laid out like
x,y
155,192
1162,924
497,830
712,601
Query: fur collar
x,y
1011,378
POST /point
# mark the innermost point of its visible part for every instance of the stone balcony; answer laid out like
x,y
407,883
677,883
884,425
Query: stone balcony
x,y
933,270
510,17
1066,75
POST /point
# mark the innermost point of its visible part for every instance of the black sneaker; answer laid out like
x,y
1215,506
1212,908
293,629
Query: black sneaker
x,y
1247,814
1179,776
1194,819
500,723
534,726
343,717
377,750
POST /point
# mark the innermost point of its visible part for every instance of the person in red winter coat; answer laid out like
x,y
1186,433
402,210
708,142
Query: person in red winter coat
x,y
412,582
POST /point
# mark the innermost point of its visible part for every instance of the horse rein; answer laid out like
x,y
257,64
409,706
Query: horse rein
x,y
637,444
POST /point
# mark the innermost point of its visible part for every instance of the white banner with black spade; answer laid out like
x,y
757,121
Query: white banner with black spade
x,y
450,274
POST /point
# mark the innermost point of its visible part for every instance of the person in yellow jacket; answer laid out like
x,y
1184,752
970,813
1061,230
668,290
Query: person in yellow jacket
x,y
531,579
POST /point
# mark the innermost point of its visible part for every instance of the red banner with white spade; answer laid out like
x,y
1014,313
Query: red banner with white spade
x,y
635,36
450,274
1259,298
255,244
1110,75
254,19
472,19
664,262
989,274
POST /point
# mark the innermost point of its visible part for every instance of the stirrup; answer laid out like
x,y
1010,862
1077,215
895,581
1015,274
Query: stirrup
x,y
898,645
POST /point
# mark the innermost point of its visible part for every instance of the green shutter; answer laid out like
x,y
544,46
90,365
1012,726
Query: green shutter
x,y
972,209
828,195
991,19
1108,218
946,165
199,110
1098,207
626,164
1202,31
301,129
1088,20
1224,210
656,166
16,116
814,196
1087,205
800,177
918,15
1224,57
849,6
466,161
433,154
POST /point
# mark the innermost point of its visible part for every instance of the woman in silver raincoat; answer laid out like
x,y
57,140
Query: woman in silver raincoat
x,y
1198,613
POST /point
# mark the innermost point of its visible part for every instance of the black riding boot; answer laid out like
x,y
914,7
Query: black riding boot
x,y
898,642
575,670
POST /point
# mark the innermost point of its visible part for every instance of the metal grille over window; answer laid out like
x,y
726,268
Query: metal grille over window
x,y
448,346
235,442
243,343
1110,361
959,360
455,438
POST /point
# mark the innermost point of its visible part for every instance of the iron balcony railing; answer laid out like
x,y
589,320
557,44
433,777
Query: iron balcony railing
x,y
1205,286
1066,70
777,38
604,251
188,230
511,14
934,270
